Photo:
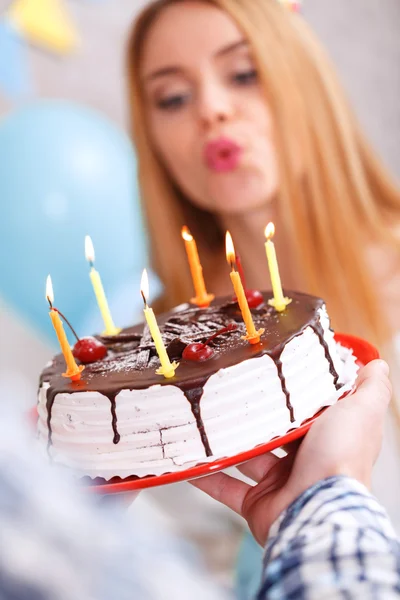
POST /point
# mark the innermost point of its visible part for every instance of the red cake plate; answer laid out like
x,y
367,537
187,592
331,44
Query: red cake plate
x,y
364,352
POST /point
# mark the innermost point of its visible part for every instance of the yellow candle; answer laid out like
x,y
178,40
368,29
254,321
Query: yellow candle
x,y
202,298
279,301
110,328
167,368
73,370
253,336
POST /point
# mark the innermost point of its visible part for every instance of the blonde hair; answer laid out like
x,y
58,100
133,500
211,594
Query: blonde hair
x,y
341,207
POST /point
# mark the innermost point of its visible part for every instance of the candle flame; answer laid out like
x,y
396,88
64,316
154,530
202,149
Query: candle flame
x,y
230,249
187,236
144,286
89,249
49,290
270,231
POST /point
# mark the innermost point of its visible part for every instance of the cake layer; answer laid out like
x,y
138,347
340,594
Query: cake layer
x,y
122,419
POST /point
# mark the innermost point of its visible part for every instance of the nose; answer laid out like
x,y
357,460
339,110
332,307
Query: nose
x,y
215,106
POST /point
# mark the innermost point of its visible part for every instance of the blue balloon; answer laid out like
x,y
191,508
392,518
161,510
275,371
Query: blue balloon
x,y
66,171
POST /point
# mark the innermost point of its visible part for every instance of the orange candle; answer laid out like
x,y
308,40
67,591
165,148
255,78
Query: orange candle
x,y
253,336
73,370
202,298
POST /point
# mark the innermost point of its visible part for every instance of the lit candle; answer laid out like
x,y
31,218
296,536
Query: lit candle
x,y
73,370
110,328
279,301
253,336
167,368
202,298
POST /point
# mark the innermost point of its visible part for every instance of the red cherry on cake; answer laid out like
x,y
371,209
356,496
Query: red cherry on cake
x,y
254,298
88,350
197,352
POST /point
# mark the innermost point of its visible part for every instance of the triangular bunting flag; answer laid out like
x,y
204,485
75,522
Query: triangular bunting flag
x,y
14,72
45,23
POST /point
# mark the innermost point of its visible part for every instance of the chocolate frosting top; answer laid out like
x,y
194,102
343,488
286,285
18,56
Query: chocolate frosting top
x,y
132,361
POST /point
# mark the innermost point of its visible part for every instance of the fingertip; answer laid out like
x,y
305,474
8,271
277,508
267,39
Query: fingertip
x,y
374,384
381,366
375,368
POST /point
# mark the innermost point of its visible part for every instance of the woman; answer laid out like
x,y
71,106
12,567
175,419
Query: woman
x,y
238,120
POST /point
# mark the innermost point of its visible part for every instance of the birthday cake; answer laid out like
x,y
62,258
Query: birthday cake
x,y
227,396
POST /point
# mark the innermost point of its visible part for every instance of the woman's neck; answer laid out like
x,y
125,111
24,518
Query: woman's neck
x,y
248,236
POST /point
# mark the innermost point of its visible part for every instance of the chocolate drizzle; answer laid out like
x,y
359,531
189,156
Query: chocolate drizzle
x,y
112,397
132,360
50,397
194,396
276,357
319,331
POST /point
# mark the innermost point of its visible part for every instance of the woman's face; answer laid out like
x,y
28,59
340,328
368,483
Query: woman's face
x,y
209,120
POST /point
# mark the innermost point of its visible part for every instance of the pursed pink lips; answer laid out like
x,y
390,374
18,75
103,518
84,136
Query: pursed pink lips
x,y
222,155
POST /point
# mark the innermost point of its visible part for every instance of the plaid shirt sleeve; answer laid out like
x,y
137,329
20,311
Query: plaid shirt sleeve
x,y
334,542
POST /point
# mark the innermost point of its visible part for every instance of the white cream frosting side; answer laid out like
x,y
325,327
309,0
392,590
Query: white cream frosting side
x,y
242,406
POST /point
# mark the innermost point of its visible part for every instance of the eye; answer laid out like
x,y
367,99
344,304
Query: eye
x,y
245,77
174,102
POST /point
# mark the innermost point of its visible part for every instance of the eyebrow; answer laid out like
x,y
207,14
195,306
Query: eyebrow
x,y
175,70
232,47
